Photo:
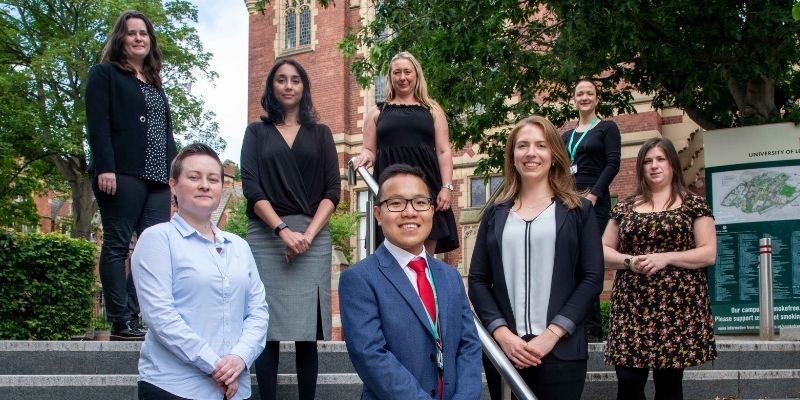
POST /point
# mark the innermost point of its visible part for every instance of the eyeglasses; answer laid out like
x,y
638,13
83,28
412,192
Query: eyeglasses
x,y
400,205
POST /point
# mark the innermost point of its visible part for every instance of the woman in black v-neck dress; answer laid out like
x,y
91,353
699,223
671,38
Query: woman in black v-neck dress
x,y
290,177
411,128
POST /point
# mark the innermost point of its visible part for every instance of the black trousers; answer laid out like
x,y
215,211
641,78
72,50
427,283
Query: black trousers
x,y
136,205
594,322
631,381
553,379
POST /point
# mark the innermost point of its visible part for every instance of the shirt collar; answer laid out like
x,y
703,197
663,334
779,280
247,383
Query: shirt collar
x,y
401,256
187,230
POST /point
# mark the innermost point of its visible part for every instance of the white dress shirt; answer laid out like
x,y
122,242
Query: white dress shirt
x,y
403,258
200,304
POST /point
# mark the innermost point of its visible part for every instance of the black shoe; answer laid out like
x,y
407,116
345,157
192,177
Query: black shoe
x,y
129,330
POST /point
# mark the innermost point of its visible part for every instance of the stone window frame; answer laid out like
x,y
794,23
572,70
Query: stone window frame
x,y
295,9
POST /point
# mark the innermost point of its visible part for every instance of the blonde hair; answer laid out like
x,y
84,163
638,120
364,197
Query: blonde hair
x,y
420,87
559,178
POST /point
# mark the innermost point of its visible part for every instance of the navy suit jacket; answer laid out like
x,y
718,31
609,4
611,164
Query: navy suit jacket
x,y
577,275
389,339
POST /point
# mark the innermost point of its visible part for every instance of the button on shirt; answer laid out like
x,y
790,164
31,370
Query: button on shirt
x,y
200,304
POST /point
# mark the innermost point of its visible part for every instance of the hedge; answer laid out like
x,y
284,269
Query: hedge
x,y
46,286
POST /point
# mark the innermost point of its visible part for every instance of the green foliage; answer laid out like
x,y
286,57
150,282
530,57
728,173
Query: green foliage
x,y
796,11
46,49
605,316
46,286
343,226
237,218
489,63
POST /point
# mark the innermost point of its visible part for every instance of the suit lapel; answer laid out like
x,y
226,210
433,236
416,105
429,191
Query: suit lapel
x,y
395,275
440,282
500,218
561,215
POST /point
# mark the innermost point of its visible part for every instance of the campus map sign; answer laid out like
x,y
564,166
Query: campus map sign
x,y
753,187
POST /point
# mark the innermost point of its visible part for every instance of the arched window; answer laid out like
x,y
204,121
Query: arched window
x,y
297,23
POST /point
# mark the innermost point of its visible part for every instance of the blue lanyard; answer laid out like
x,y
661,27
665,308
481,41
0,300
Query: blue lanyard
x,y
572,150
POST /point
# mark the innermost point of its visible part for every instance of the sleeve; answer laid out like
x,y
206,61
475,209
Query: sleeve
x,y
698,206
333,185
481,278
468,356
377,367
611,144
251,179
256,317
588,272
98,118
152,271
618,210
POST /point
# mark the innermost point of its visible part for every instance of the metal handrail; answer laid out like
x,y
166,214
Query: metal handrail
x,y
507,371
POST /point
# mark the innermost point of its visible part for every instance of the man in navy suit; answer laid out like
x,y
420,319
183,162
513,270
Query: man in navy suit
x,y
409,334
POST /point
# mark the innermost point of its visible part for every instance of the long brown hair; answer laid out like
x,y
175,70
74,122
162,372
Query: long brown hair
x,y
560,179
114,49
678,186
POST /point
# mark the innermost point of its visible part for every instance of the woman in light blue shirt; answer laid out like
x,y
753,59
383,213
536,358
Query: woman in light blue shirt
x,y
200,294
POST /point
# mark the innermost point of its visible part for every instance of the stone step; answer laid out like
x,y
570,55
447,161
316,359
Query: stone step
x,y
698,384
83,358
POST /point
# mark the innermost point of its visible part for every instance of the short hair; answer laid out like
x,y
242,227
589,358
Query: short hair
x,y
194,149
400,169
114,48
306,113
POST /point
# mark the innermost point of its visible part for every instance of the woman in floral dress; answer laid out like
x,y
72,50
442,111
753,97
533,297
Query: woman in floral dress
x,y
661,240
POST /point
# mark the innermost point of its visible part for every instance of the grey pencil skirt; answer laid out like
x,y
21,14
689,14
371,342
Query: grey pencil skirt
x,y
296,290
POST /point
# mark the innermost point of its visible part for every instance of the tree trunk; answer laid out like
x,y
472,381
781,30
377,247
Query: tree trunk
x,y
83,207
755,99
73,169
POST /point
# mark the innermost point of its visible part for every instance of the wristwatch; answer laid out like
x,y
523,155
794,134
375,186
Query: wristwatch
x,y
626,263
279,228
448,186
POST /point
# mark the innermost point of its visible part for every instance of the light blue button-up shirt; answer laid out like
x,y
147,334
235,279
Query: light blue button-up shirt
x,y
200,304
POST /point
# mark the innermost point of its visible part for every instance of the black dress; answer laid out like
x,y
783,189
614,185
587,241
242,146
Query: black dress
x,y
405,135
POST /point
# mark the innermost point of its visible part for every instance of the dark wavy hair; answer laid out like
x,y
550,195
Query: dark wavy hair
x,y
269,102
114,49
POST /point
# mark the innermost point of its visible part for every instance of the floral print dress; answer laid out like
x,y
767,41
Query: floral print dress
x,y
663,321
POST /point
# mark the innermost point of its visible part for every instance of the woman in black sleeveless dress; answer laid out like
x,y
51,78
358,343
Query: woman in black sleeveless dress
x,y
411,128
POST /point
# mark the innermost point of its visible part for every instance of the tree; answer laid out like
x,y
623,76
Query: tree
x,y
46,49
489,62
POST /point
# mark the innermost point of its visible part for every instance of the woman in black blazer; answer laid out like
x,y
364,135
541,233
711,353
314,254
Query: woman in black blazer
x,y
131,143
537,265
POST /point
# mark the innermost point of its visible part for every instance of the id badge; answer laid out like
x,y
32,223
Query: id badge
x,y
573,169
439,359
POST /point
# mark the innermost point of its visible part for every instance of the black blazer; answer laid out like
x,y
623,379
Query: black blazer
x,y
577,275
116,118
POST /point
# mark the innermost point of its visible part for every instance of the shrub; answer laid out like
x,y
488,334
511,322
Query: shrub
x,y
46,286
343,225
237,218
605,316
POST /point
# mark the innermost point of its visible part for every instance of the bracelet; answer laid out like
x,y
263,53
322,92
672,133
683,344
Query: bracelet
x,y
554,332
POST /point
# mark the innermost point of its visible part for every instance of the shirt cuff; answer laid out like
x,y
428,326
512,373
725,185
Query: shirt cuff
x,y
246,354
565,323
208,359
496,324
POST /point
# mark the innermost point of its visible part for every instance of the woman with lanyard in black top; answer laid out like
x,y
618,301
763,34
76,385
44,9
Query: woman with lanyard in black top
x,y
290,177
593,147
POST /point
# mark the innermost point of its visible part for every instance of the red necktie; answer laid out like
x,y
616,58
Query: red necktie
x,y
426,294
424,287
